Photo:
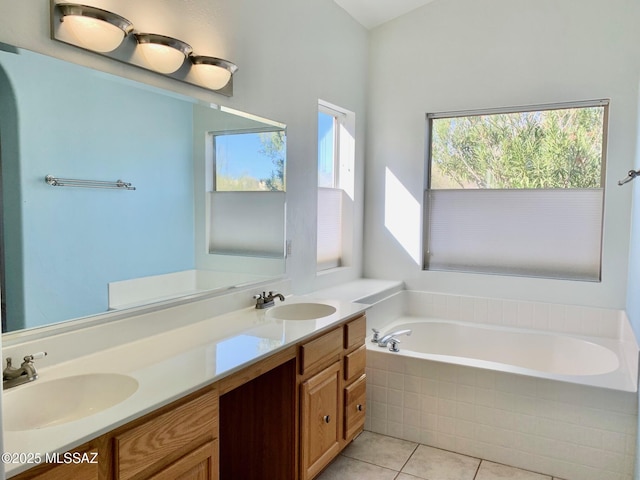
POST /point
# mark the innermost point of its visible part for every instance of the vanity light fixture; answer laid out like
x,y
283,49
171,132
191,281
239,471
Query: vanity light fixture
x,y
95,29
161,53
113,36
213,72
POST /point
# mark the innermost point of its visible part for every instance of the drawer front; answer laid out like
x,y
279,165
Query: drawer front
x,y
165,435
355,406
320,351
354,332
355,363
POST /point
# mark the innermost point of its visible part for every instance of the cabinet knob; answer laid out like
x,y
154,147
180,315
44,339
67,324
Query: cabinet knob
x,y
359,407
326,419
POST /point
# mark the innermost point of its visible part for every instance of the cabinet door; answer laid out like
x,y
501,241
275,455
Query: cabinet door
x,y
319,422
200,464
355,405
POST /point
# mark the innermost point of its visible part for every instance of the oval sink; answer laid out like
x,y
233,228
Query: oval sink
x,y
301,311
45,404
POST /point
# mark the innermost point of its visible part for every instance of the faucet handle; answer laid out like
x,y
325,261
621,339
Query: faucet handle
x,y
33,356
376,335
393,344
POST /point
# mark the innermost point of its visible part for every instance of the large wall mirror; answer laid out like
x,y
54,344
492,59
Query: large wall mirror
x,y
207,212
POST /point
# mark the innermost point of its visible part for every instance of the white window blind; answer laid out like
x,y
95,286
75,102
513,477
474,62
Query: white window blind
x,y
553,233
329,247
247,223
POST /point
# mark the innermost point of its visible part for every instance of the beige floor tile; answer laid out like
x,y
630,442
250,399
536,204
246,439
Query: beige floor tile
x,y
495,471
435,464
344,468
380,450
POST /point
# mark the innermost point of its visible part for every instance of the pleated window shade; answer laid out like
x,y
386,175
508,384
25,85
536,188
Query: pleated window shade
x,y
552,233
329,227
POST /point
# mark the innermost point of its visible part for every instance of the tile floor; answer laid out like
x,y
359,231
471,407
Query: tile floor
x,y
377,457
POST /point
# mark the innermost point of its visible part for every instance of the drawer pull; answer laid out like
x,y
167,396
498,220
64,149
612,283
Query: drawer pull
x,y
359,407
326,419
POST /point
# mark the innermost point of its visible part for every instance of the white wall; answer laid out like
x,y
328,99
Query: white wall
x,y
470,54
290,54
633,285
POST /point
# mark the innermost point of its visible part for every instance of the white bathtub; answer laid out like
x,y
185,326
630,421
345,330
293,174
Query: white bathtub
x,y
592,361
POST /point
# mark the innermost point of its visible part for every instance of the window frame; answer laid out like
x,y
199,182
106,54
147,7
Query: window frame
x,y
343,125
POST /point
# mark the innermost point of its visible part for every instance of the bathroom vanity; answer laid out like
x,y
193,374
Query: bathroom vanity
x,y
285,414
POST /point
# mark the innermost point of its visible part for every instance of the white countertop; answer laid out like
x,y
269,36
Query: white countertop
x,y
168,366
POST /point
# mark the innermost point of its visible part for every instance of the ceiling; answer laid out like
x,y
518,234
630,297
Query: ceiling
x,y
372,13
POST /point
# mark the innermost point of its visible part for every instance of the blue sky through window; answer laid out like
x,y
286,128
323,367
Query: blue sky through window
x,y
326,140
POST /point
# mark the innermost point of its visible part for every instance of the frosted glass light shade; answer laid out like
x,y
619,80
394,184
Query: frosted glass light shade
x,y
161,53
212,72
93,28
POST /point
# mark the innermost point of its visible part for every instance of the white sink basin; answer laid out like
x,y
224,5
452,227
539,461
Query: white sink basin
x,y
45,404
301,311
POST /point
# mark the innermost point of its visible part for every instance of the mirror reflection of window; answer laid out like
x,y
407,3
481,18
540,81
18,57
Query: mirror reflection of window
x,y
250,162
247,204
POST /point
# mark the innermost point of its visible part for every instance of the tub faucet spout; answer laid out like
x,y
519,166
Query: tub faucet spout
x,y
385,340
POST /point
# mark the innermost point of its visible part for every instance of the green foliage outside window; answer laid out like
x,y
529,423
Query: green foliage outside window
x,y
540,149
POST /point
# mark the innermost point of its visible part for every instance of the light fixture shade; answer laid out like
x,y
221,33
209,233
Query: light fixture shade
x,y
212,72
93,28
161,53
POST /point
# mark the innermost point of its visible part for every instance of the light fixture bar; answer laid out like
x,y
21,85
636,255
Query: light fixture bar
x,y
113,36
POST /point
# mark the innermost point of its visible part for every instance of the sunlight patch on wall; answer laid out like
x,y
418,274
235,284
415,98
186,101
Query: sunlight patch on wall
x,y
402,216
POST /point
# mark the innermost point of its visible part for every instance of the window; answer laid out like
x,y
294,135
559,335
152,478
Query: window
x,y
335,185
517,191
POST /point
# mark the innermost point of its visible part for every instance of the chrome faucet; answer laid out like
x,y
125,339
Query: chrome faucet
x,y
385,340
12,377
267,300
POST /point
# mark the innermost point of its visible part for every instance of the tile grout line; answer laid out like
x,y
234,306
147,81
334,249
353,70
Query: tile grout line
x,y
409,458
475,475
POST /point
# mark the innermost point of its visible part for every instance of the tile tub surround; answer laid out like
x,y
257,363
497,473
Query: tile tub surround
x,y
565,430
378,457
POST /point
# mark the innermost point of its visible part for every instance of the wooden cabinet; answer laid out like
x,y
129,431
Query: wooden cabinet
x,y
332,394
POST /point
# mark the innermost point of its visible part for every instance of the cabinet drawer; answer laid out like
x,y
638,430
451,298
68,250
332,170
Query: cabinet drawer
x,y
320,351
355,332
165,435
355,406
355,363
